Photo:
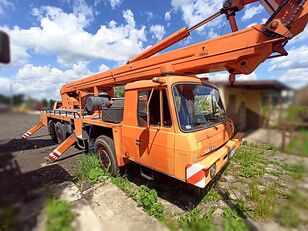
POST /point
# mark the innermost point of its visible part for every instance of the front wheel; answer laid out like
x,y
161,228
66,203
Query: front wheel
x,y
104,148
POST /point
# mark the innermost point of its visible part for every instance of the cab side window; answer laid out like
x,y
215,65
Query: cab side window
x,y
166,112
154,108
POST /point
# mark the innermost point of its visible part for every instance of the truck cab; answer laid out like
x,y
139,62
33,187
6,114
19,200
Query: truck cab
x,y
177,125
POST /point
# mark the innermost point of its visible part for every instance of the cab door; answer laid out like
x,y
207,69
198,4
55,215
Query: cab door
x,y
154,145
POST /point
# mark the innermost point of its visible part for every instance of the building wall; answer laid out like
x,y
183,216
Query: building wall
x,y
243,106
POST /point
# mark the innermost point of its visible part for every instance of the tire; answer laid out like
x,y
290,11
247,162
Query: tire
x,y
104,149
52,130
60,132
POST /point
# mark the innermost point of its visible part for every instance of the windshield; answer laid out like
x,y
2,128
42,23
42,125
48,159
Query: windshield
x,y
197,106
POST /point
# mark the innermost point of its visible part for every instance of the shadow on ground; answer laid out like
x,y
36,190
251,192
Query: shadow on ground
x,y
176,192
16,145
22,196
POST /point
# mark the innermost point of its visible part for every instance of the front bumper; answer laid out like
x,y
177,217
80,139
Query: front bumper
x,y
200,173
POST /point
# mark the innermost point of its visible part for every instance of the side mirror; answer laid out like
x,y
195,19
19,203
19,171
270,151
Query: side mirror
x,y
5,56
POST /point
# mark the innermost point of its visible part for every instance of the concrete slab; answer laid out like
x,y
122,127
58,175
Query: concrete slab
x,y
116,211
85,219
264,136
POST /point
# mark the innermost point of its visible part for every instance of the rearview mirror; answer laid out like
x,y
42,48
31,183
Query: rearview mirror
x,y
5,56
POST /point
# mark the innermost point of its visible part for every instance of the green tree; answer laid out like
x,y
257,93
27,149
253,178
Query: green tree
x,y
18,99
4,99
51,103
119,91
44,102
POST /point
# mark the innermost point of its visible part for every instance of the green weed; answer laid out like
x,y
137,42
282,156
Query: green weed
x,y
232,222
89,170
211,196
255,193
125,185
264,201
298,143
288,217
147,198
196,221
297,171
297,199
251,160
244,207
59,215
7,217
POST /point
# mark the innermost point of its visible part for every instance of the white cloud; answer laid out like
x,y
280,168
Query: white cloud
x,y
197,10
45,81
212,34
224,76
64,35
80,7
297,58
297,77
251,11
168,16
19,55
150,15
103,67
295,66
158,31
115,3
251,76
255,23
4,5
301,37
5,85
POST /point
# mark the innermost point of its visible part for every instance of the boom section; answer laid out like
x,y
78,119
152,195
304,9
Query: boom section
x,y
239,52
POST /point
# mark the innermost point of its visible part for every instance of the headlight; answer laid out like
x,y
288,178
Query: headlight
x,y
213,170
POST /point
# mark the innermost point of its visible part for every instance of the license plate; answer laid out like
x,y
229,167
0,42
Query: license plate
x,y
231,153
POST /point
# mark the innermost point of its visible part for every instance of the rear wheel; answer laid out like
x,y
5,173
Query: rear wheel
x,y
104,148
60,132
52,130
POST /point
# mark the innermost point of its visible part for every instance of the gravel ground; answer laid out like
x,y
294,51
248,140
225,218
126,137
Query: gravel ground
x,y
23,175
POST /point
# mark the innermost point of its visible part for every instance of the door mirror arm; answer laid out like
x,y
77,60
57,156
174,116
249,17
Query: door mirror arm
x,y
148,108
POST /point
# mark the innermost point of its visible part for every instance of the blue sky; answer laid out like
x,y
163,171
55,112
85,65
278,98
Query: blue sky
x,y
54,42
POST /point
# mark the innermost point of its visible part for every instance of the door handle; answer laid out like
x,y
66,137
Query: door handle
x,y
138,142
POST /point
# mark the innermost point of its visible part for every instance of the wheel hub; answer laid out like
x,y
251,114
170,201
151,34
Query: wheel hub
x,y
104,158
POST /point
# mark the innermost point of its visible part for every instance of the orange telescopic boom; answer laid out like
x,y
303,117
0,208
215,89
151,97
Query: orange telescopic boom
x,y
239,52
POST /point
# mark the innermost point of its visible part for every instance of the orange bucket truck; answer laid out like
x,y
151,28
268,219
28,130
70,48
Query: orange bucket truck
x,y
170,121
